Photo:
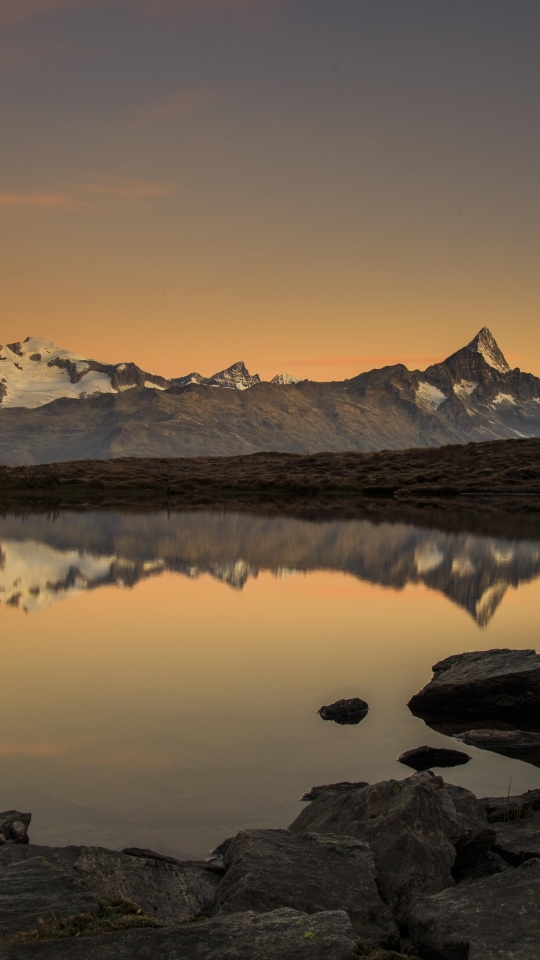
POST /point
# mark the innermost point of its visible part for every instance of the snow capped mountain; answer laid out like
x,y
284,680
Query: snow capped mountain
x,y
235,377
485,344
36,372
283,379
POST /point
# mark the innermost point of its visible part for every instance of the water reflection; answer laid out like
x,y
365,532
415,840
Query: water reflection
x,y
43,561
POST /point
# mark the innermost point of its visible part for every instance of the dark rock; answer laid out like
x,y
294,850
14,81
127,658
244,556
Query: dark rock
x,y
491,919
341,787
174,892
424,758
14,826
413,826
501,809
518,841
486,865
520,744
345,711
33,889
485,683
281,935
267,869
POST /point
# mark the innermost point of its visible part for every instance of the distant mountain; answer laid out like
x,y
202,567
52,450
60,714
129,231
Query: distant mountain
x,y
59,406
44,561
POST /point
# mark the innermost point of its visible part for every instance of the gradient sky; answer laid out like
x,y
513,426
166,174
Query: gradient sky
x,y
318,186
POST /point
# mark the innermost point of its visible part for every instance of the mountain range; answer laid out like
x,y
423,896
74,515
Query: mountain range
x,y
56,405
44,561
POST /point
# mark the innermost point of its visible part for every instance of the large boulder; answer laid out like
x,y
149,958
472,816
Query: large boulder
x,y
266,869
246,936
166,889
503,809
518,840
495,918
485,683
33,890
418,829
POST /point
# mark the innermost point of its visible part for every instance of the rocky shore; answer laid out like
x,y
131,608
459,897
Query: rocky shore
x,y
403,868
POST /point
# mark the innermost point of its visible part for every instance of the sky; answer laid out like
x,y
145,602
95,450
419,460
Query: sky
x,y
311,186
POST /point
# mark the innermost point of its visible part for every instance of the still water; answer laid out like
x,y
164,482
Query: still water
x,y
162,674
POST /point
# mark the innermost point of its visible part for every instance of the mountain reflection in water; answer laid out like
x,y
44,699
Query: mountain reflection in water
x,y
43,560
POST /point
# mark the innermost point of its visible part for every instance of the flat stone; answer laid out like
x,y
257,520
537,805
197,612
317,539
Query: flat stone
x,y
485,683
280,935
341,787
501,809
521,744
345,711
266,869
418,829
495,918
424,758
14,826
171,891
33,889
518,841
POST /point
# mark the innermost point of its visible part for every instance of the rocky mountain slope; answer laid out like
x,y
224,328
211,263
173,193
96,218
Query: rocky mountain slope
x,y
112,411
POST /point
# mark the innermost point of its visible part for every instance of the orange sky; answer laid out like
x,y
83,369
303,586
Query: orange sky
x,y
308,187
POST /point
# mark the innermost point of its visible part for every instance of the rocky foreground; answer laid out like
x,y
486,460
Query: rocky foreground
x,y
413,867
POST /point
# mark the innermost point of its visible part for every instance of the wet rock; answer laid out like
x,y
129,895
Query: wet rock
x,y
33,889
175,892
416,827
485,683
266,869
518,841
424,758
501,809
345,711
341,787
491,919
246,936
520,744
14,826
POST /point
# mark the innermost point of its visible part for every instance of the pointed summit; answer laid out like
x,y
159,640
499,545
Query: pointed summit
x,y
485,344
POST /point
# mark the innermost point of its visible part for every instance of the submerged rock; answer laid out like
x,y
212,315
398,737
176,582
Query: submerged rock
x,y
266,869
345,711
171,891
424,758
491,919
14,827
341,787
418,828
485,683
521,744
280,935
34,889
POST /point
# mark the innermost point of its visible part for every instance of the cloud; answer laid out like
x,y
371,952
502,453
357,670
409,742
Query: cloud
x,y
179,105
93,197
179,11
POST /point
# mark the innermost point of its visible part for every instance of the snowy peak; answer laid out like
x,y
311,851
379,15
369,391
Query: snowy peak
x,y
235,377
284,379
485,344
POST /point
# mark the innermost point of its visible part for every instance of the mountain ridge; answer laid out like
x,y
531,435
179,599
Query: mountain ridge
x,y
473,395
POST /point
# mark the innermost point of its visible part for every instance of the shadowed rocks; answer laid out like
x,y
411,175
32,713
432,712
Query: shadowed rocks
x,y
345,711
503,809
518,744
424,758
341,787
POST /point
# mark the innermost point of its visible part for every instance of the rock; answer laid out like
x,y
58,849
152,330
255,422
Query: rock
x,y
486,865
345,711
280,935
266,869
520,744
33,889
414,827
424,758
175,892
341,787
499,809
518,841
491,919
14,826
486,683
